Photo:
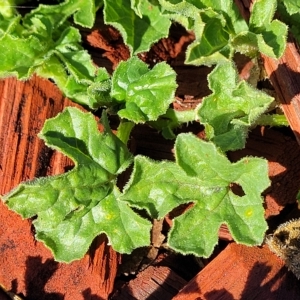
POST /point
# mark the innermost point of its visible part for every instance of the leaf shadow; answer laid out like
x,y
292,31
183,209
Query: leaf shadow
x,y
256,286
287,85
160,280
290,87
37,275
283,154
143,27
87,295
58,139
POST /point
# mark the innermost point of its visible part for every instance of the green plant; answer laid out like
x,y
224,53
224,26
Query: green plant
x,y
74,207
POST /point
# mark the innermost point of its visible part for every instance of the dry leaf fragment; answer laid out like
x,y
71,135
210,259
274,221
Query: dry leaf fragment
x,y
285,243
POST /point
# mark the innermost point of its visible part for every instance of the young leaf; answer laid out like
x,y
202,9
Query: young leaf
x,y
139,33
45,43
231,109
70,67
8,8
212,46
84,12
262,14
271,35
21,61
204,176
290,15
292,6
272,41
51,53
172,119
220,30
180,11
73,208
244,215
215,24
145,94
100,89
77,61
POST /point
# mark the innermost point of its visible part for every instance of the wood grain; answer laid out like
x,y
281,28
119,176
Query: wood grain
x,y
241,272
284,75
27,266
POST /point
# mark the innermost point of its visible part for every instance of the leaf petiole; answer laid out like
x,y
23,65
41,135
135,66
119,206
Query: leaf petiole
x,y
272,120
124,130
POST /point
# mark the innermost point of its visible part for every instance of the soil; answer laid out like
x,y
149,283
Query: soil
x,y
232,272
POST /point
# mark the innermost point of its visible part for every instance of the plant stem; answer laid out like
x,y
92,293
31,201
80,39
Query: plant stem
x,y
124,130
272,120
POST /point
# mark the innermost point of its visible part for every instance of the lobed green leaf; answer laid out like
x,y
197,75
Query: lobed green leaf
x,y
231,109
84,12
73,208
271,35
143,94
202,175
220,29
262,14
292,6
139,31
20,62
45,43
290,14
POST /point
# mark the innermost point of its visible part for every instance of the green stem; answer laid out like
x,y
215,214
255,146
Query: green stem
x,y
272,120
184,116
124,130
171,120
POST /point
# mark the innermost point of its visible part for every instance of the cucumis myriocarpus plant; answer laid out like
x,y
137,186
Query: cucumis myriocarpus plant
x,y
74,207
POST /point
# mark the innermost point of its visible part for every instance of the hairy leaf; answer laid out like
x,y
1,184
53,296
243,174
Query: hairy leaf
x,y
203,176
231,109
21,61
45,43
271,35
8,8
220,30
73,208
138,31
84,12
143,94
262,14
290,15
292,6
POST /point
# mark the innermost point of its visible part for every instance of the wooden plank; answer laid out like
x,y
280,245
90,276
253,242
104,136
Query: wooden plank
x,y
284,74
285,77
155,282
27,266
241,272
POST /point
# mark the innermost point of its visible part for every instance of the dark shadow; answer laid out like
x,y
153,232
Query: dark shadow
x,y
287,85
256,286
253,287
14,286
61,139
94,255
44,159
254,282
150,286
37,275
219,294
291,88
276,144
87,295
